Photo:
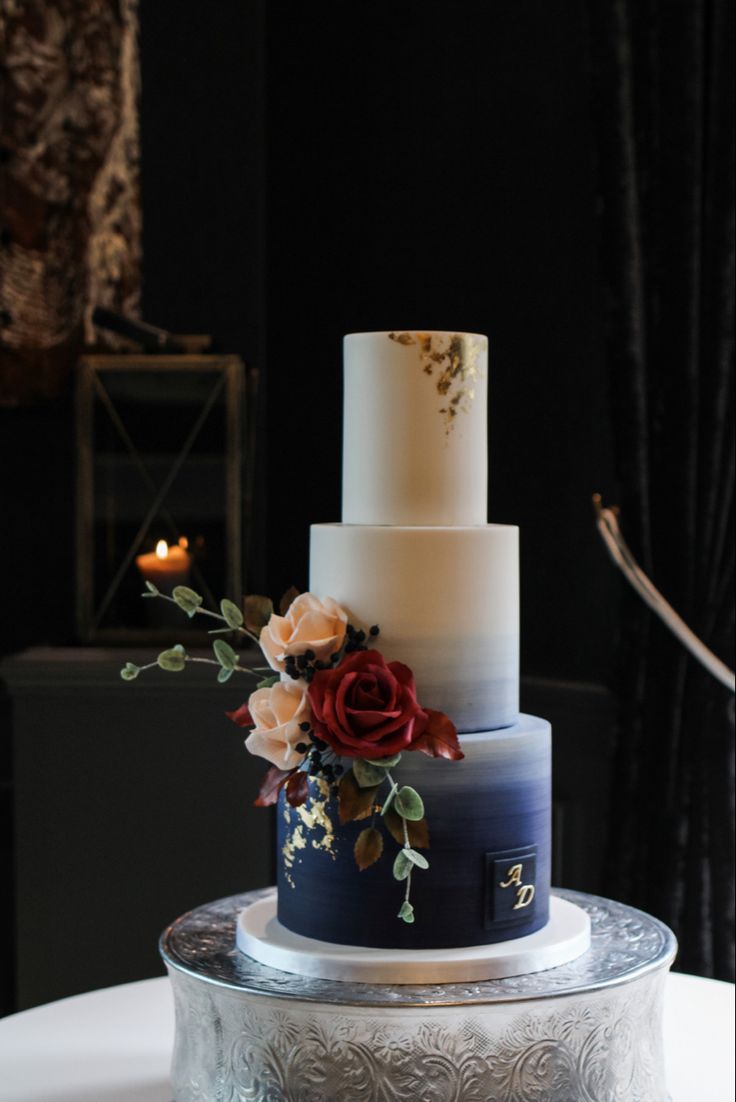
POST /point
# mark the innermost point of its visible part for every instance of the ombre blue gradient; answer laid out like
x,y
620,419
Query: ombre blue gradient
x,y
496,799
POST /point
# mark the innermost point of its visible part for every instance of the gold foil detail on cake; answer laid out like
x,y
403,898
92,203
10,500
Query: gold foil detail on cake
x,y
313,816
294,841
314,813
453,364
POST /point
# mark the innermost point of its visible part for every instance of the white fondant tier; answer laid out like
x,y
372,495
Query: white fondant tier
x,y
415,428
446,601
262,937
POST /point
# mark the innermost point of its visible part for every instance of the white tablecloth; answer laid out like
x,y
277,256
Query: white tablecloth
x,y
115,1045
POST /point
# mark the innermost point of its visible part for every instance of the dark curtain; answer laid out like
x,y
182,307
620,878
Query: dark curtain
x,y
662,77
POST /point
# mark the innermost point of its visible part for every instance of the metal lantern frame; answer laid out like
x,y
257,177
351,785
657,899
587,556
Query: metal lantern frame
x,y
229,385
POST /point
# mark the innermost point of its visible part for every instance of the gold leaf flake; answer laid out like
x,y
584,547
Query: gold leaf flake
x,y
314,827
456,358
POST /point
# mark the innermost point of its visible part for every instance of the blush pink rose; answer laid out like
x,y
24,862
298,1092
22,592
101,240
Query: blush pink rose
x,y
277,713
310,623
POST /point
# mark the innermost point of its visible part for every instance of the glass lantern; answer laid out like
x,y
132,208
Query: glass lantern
x,y
163,490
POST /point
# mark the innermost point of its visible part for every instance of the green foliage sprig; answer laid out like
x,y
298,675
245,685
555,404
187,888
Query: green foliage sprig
x,y
402,813
174,659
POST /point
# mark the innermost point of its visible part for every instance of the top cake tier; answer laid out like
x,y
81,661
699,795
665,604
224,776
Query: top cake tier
x,y
415,436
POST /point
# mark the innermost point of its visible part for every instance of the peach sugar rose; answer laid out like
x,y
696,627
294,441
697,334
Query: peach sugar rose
x,y
310,623
277,713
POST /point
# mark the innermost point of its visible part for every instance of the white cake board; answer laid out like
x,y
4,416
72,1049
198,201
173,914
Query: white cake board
x,y
261,936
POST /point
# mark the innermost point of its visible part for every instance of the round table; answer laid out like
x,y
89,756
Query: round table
x,y
115,1045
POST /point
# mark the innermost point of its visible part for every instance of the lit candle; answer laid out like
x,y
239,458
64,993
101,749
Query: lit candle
x,y
166,566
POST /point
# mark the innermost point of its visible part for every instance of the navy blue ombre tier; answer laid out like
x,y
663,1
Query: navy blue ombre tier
x,y
489,856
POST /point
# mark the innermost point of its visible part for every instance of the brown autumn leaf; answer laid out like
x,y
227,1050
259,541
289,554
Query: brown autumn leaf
x,y
241,716
297,788
368,847
354,802
271,785
418,829
291,593
257,611
439,738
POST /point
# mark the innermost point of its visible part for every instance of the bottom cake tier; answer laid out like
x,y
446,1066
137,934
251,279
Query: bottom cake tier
x,y
588,1031
488,817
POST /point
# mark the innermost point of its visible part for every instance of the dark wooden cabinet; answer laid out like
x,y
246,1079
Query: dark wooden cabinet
x,y
582,718
132,804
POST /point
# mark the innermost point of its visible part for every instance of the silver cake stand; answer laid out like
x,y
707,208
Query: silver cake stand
x,y
589,1031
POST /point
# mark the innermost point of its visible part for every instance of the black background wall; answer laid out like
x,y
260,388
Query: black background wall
x,y
307,174
311,171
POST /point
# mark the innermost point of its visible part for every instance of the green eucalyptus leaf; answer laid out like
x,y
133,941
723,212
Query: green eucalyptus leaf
x,y
130,671
187,599
231,612
224,675
152,589
268,682
172,660
409,803
385,763
417,859
367,775
406,911
402,866
225,654
389,799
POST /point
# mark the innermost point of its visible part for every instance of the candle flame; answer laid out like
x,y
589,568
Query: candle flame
x,y
162,550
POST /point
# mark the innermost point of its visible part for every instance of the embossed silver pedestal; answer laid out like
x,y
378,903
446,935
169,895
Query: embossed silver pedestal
x,y
589,1031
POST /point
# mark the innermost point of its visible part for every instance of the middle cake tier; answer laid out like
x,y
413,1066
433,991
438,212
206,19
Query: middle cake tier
x,y
446,601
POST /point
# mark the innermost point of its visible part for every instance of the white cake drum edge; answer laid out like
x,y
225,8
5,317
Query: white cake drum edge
x,y
262,937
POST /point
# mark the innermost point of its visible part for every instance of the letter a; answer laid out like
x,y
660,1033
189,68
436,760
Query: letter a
x,y
514,877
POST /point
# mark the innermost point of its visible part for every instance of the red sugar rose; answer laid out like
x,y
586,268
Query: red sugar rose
x,y
366,707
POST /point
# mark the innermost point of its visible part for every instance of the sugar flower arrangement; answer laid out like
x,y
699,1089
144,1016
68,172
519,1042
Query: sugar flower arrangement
x,y
331,708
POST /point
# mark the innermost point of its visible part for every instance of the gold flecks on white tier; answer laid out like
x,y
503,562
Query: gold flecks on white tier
x,y
452,362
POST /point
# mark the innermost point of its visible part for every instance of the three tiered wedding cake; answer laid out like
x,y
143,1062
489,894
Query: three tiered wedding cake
x,y
416,556
414,806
